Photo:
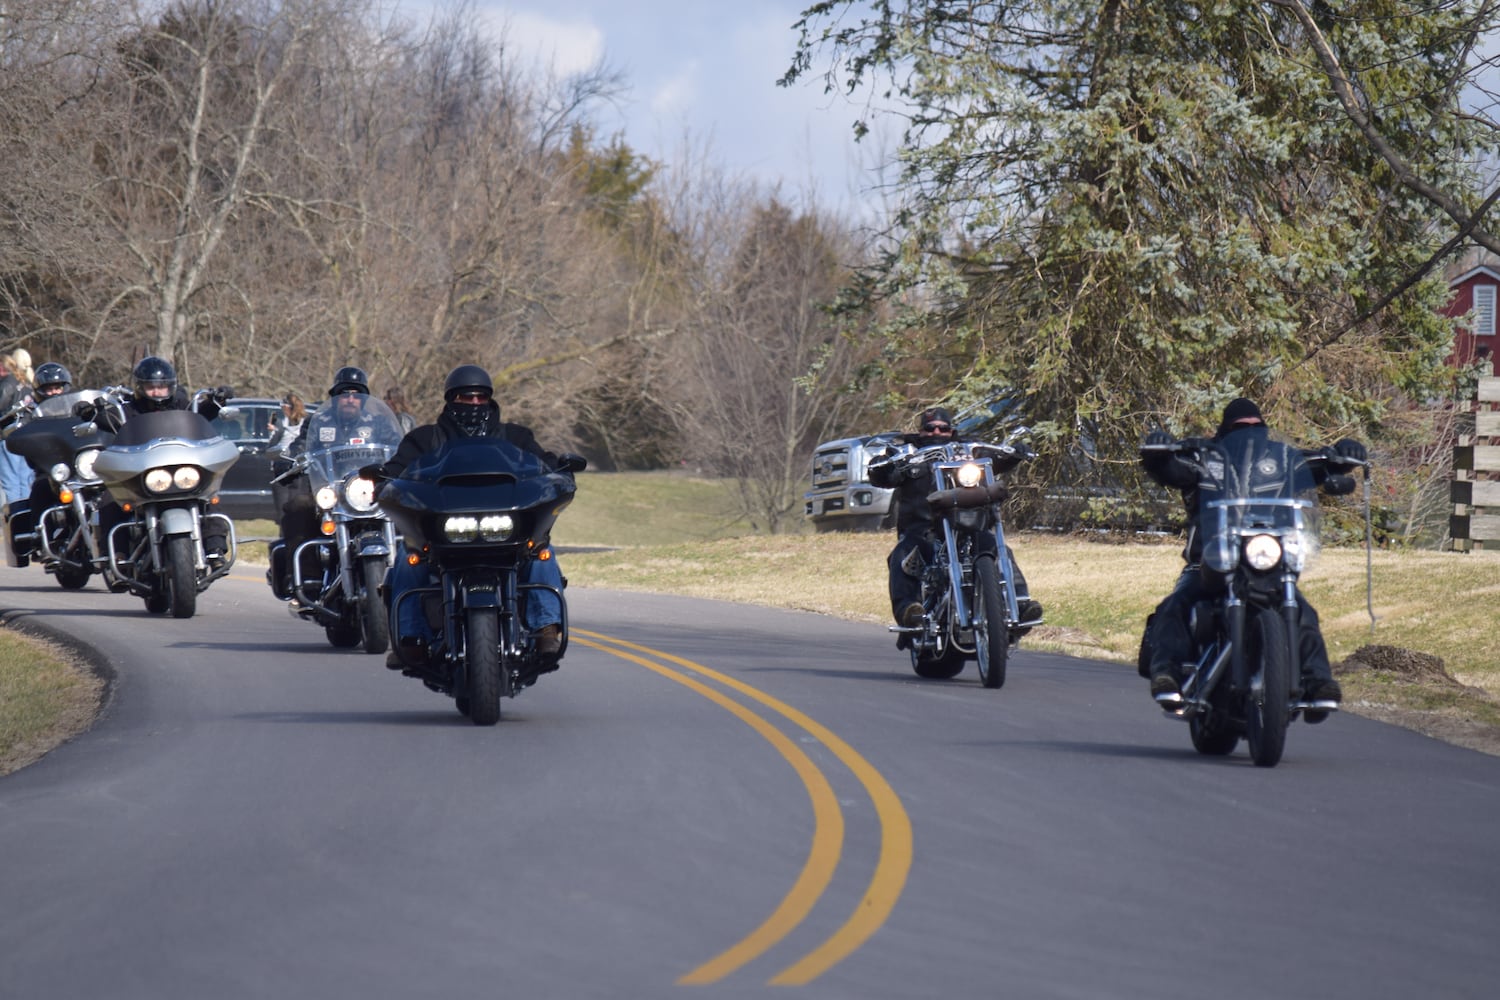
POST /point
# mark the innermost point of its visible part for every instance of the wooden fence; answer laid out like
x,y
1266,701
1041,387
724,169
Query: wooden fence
x,y
1475,524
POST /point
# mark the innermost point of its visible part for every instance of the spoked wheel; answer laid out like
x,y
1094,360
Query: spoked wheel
x,y
991,637
1265,723
372,620
182,580
483,665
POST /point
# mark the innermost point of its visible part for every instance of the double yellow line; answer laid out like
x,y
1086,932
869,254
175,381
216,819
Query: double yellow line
x,y
891,869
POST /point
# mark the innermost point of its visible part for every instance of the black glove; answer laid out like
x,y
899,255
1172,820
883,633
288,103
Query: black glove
x,y
222,394
1158,439
1350,449
84,410
915,470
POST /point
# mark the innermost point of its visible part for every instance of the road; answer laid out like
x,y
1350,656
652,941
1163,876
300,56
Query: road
x,y
710,798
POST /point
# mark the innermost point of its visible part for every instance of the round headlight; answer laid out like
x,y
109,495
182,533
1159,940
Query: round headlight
x,y
159,480
360,493
326,497
188,477
970,474
496,527
84,461
1262,552
60,472
461,529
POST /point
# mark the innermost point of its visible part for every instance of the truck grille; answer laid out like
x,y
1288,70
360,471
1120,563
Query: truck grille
x,y
830,468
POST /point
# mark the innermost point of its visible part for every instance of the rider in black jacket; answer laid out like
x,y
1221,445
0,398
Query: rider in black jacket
x,y
913,549
470,410
1167,629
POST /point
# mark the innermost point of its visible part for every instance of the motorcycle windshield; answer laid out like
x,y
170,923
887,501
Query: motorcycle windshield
x,y
342,437
142,428
1257,485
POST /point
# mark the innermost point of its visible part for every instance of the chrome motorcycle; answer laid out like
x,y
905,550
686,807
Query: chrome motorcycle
x,y
63,535
968,597
163,469
334,580
1260,534
475,511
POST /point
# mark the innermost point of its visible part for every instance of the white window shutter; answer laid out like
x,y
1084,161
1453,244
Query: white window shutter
x,y
1484,310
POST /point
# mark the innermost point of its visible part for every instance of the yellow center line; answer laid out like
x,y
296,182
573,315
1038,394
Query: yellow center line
x,y
891,869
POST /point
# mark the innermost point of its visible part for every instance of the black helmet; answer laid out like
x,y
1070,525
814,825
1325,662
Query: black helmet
x,y
349,379
51,375
153,371
471,377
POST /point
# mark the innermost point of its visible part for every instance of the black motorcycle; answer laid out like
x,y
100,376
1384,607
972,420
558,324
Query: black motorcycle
x,y
476,510
1260,533
62,535
334,580
968,583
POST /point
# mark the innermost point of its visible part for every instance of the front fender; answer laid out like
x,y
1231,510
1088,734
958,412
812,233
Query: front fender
x,y
176,521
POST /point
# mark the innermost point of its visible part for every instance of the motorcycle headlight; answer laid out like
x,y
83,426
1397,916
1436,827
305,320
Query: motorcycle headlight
x,y
496,527
85,463
1262,552
158,480
59,472
326,497
969,474
461,529
1299,548
1220,554
360,493
187,478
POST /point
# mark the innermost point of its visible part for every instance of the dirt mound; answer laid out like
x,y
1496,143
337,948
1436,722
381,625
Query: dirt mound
x,y
1407,663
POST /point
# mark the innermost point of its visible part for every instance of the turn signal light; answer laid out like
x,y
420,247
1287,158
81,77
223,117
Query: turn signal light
x,y
65,495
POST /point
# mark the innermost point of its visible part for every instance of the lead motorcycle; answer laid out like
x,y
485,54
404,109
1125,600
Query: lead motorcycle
x,y
476,510
1261,533
164,469
334,581
63,535
968,583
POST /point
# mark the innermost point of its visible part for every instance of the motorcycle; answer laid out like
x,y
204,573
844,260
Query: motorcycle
x,y
61,536
163,469
476,510
968,584
1260,534
343,593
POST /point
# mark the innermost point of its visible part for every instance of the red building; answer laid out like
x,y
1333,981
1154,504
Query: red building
x,y
1475,283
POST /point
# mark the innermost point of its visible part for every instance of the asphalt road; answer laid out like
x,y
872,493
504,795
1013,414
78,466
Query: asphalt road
x,y
716,799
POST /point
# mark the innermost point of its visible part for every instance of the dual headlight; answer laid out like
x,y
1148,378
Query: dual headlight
x,y
480,527
184,477
359,493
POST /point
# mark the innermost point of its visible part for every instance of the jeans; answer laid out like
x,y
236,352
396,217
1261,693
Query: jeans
x,y
539,607
15,475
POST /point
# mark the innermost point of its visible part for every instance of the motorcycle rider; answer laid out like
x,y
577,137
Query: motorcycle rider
x,y
469,410
52,379
347,395
914,521
1167,629
155,390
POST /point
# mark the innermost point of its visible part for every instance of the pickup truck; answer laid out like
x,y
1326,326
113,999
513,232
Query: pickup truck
x,y
841,498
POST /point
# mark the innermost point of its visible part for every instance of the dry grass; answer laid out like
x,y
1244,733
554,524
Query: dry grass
x,y
46,696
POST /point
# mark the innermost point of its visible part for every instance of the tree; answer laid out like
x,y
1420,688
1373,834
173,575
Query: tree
x,y
1132,212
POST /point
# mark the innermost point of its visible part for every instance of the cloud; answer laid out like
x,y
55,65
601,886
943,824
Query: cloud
x,y
678,94
564,46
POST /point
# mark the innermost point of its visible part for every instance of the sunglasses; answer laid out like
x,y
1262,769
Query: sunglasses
x,y
937,427
472,397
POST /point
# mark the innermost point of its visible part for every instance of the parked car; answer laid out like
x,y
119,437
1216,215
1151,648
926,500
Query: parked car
x,y
249,422
842,497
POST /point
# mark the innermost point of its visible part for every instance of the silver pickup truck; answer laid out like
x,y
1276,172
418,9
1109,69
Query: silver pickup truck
x,y
841,498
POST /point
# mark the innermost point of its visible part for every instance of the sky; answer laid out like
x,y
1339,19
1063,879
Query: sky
x,y
704,72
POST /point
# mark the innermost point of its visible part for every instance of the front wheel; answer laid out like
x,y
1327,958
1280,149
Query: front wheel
x,y
372,619
991,636
182,578
1266,722
73,577
482,663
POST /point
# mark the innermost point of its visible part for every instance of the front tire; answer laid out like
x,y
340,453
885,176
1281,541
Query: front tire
x,y
991,635
1266,723
182,579
1212,735
372,619
73,577
482,662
